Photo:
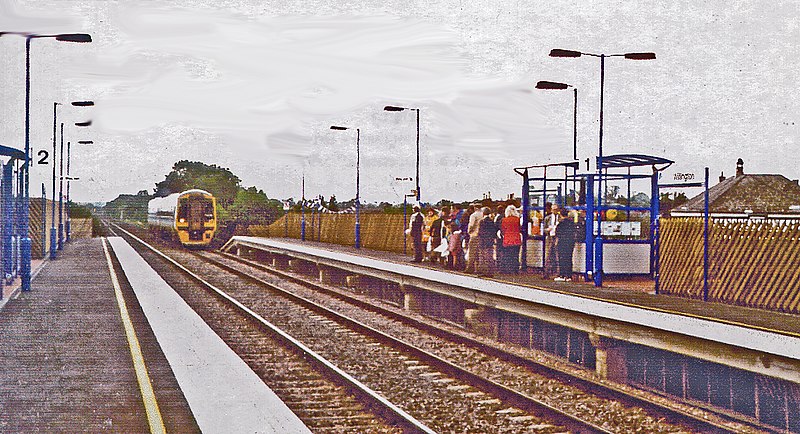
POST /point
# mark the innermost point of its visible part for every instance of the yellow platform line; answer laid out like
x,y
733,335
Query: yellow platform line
x,y
145,387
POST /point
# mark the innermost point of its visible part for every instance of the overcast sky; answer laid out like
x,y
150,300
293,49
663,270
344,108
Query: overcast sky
x,y
254,86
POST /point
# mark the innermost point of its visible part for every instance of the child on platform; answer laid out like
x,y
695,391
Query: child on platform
x,y
456,258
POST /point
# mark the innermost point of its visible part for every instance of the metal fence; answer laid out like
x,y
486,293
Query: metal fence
x,y
751,263
378,231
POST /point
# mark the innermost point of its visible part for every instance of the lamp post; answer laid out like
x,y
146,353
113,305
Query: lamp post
x,y
405,219
53,206
53,240
392,108
24,220
598,241
80,142
551,85
358,180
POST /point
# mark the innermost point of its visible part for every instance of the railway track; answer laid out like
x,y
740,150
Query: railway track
x,y
515,400
697,419
325,398
441,394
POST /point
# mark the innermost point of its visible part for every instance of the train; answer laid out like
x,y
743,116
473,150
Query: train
x,y
189,216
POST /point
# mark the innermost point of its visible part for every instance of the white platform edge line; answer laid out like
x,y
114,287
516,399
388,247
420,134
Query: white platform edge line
x,y
210,417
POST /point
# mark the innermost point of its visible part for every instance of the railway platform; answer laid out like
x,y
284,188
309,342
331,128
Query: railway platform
x,y
629,292
101,343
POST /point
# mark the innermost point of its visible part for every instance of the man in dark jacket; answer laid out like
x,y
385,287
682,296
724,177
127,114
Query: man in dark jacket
x,y
487,233
565,244
415,230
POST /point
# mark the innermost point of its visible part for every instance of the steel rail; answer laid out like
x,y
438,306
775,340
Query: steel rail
x,y
588,385
518,399
392,413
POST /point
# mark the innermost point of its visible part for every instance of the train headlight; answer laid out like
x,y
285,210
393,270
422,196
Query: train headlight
x,y
181,220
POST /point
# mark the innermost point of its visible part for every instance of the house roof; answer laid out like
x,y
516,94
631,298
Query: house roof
x,y
758,193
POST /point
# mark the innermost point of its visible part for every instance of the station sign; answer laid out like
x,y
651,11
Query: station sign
x,y
681,176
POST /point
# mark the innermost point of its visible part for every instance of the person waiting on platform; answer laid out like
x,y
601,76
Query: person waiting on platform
x,y
487,233
473,246
565,244
415,230
512,240
456,258
551,220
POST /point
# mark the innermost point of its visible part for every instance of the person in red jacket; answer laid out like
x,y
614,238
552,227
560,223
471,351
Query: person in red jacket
x,y
512,240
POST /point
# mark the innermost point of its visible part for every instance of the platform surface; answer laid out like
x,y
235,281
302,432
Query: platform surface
x,y
756,329
65,365
225,395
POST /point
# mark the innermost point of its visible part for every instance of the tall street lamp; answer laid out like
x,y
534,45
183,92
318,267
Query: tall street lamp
x,y
53,245
53,240
64,229
392,108
24,220
81,142
358,180
551,85
598,241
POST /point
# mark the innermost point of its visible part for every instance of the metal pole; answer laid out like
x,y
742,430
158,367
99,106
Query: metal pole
x,y
26,239
53,199
44,221
61,193
598,241
358,180
405,223
705,239
69,220
418,192
303,210
655,217
575,125
526,204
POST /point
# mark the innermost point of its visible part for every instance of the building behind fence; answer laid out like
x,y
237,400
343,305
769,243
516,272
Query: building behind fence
x,y
753,263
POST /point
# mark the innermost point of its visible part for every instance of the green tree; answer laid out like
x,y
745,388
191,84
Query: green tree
x,y
252,206
185,175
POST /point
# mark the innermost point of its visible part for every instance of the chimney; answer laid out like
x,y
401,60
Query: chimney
x,y
739,167
721,176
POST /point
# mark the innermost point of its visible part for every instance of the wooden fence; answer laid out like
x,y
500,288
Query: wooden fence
x,y
378,231
751,263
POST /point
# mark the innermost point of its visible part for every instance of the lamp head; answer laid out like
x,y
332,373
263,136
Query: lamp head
x,y
391,108
74,37
640,56
83,124
83,103
556,52
551,85
335,127
85,142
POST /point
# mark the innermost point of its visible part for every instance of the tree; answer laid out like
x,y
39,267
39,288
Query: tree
x,y
332,205
186,175
252,206
667,203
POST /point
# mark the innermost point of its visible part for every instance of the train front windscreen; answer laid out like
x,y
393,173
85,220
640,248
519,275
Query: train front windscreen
x,y
193,214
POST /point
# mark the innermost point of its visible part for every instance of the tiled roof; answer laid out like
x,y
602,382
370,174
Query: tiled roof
x,y
759,193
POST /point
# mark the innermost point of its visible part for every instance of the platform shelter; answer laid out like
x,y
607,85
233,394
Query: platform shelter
x,y
11,197
617,232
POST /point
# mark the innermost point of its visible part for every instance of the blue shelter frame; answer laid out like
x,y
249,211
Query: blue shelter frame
x,y
11,204
590,201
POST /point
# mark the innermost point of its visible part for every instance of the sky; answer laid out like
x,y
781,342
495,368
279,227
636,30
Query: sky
x,y
254,86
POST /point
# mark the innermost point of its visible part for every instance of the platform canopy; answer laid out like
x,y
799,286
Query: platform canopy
x,y
632,160
7,151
